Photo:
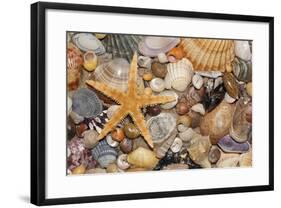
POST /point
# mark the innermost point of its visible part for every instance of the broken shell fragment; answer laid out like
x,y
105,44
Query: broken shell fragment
x,y
199,108
177,145
197,81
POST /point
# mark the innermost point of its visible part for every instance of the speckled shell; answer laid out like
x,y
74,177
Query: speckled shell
x,y
209,54
199,149
88,42
142,158
216,123
121,46
227,144
104,154
86,103
179,75
161,126
152,46
114,73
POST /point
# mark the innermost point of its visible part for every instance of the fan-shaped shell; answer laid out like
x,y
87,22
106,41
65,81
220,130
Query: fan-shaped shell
x,y
121,46
114,73
209,54
104,154
88,42
86,103
179,75
152,46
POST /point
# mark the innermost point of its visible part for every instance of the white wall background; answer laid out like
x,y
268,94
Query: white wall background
x,y
15,101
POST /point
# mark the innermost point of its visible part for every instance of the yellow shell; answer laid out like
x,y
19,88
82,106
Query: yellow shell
x,y
209,54
90,61
142,158
81,169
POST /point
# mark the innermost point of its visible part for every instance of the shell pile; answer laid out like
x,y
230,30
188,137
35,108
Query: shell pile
x,y
207,125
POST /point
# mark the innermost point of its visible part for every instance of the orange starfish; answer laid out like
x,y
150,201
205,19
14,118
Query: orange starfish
x,y
130,103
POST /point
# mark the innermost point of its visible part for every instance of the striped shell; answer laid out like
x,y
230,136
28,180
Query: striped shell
x,y
179,75
114,73
88,42
121,46
152,46
209,54
242,69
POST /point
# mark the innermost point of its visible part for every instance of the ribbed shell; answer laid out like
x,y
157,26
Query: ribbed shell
x,y
209,54
121,46
114,73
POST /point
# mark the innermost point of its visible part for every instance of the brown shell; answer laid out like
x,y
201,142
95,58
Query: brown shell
x,y
209,54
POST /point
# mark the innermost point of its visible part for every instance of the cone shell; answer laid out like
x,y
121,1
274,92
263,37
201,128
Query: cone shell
x,y
179,75
142,158
209,54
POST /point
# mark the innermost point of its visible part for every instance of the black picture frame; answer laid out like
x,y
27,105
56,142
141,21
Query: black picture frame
x,y
38,102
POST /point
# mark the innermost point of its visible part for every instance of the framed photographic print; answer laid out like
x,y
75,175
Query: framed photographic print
x,y
133,103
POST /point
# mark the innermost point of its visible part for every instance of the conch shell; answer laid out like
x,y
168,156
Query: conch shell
x,y
142,158
209,54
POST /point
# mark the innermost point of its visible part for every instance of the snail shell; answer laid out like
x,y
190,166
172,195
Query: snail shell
x,y
122,162
111,142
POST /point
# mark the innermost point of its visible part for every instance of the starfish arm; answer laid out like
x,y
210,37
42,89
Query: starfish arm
x,y
119,115
113,93
139,120
132,86
152,100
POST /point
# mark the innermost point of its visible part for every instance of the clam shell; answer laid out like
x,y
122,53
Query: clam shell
x,y
86,103
104,154
152,46
209,54
179,75
121,45
227,144
88,42
161,126
142,158
242,49
172,104
157,85
114,73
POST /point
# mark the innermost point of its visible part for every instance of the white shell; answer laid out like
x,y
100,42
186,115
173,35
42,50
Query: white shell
x,y
197,81
111,110
177,145
242,50
218,81
187,135
144,61
88,42
182,128
157,85
162,58
199,108
172,104
122,162
111,142
210,74
228,98
179,75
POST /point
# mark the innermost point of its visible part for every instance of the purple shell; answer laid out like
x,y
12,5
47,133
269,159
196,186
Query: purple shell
x,y
152,46
227,144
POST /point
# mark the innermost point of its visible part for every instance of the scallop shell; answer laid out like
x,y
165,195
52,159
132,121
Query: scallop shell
x,y
179,75
88,42
86,103
152,46
172,104
121,46
161,126
114,73
104,154
209,54
142,158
